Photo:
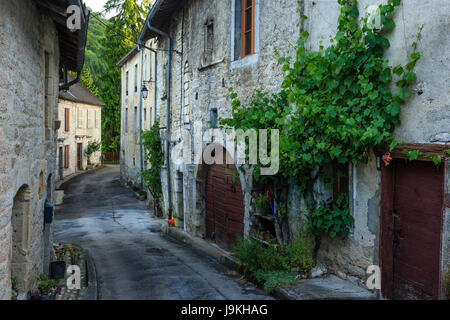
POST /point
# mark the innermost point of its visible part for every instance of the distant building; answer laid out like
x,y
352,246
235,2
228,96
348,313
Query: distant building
x,y
138,70
80,112
36,49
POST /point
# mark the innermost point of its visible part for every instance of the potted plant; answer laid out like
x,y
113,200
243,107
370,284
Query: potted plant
x,y
176,219
46,288
58,267
75,254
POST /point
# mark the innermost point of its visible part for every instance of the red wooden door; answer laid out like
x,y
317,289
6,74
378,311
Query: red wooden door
x,y
411,229
224,205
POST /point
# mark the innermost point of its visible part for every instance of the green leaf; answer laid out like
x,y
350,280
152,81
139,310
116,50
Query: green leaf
x,y
404,93
398,70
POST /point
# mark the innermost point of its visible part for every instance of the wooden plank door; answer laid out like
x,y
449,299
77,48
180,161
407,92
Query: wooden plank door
x,y
411,230
80,156
224,205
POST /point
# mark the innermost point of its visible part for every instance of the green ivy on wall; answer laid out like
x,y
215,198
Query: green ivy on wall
x,y
335,104
151,140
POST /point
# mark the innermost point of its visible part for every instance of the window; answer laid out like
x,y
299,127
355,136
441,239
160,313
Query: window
x,y
145,67
340,180
47,95
135,78
67,119
208,42
66,156
126,83
126,121
135,120
248,27
145,115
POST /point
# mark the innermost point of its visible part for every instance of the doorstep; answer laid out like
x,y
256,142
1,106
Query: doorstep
x,y
325,288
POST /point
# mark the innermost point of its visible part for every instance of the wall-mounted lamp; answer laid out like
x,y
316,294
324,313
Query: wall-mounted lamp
x,y
145,90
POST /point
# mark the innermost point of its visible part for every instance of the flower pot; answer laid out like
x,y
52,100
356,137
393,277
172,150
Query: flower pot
x,y
58,269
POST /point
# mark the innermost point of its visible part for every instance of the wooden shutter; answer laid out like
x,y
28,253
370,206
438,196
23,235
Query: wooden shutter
x,y
67,119
248,28
66,156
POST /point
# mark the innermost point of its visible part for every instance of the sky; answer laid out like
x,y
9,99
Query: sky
x,y
97,6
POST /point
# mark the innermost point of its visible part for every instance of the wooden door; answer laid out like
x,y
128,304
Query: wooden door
x,y
412,211
80,156
224,205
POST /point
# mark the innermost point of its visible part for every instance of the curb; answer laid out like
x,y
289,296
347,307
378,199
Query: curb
x,y
221,256
92,290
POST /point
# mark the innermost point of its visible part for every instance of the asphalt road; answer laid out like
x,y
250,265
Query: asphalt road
x,y
133,259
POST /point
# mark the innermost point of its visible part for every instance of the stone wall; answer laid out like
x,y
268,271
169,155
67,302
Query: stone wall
x,y
27,150
196,89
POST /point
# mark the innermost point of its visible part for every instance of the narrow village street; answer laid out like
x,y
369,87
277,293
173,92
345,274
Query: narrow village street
x,y
133,260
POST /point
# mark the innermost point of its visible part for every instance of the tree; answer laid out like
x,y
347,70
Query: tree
x,y
123,31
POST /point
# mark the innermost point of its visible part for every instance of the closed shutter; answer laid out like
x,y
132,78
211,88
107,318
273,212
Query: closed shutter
x,y
67,119
66,156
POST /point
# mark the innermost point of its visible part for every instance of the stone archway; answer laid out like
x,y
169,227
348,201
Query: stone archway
x,y
20,224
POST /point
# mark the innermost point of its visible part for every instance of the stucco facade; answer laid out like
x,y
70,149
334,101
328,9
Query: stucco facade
x,y
131,114
84,126
199,88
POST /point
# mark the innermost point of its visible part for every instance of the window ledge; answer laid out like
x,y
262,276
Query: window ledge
x,y
247,61
210,65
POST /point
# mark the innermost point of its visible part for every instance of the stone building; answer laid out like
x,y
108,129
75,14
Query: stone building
x,y
138,71
81,114
37,50
203,47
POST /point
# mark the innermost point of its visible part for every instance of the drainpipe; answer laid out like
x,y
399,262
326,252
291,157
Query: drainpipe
x,y
169,65
141,151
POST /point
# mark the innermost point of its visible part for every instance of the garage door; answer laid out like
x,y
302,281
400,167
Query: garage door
x,y
411,235
224,205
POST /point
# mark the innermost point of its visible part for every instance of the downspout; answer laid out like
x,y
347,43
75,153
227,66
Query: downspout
x,y
141,151
169,65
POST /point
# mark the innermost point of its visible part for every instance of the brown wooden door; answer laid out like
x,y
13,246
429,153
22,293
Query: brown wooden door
x,y
224,205
411,229
66,156
80,156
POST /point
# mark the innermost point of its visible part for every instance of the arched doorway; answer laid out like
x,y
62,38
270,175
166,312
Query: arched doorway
x,y
20,223
224,204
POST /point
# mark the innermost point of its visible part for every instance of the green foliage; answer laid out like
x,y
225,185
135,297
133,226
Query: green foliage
x,y
93,146
263,205
331,218
335,104
273,265
108,41
45,285
151,140
412,154
14,288
275,278
437,159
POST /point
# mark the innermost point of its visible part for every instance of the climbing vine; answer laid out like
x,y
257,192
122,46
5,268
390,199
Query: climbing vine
x,y
335,104
151,140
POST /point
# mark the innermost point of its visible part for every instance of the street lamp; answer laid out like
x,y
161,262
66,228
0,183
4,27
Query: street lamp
x,y
145,92
144,89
